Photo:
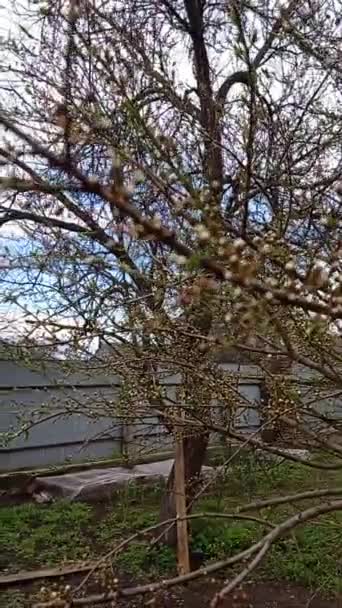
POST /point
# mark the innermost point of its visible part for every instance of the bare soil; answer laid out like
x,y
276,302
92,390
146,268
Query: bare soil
x,y
195,595
260,595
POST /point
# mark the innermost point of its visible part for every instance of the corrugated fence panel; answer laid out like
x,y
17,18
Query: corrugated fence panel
x,y
247,417
81,423
93,429
60,454
15,375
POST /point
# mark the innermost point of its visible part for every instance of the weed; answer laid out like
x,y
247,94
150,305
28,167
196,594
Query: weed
x,y
313,556
134,559
32,534
216,541
12,599
141,558
122,522
164,559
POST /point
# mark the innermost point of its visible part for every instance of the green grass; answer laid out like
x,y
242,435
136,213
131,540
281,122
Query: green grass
x,y
311,555
31,535
12,599
40,535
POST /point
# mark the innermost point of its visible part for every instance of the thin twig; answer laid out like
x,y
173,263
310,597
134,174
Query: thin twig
x,y
154,527
266,543
267,540
260,504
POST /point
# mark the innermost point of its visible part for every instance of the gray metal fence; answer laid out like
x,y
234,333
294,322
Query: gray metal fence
x,y
78,425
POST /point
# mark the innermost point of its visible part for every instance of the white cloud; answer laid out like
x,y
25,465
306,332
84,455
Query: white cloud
x,y
17,326
12,230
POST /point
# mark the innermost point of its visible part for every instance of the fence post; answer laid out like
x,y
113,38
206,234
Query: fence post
x,y
180,498
128,446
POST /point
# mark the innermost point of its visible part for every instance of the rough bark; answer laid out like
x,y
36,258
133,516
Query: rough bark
x,y
195,448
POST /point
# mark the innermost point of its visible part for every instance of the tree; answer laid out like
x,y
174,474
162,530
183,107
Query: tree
x,y
176,169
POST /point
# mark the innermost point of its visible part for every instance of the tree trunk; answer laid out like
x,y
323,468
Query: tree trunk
x,y
195,448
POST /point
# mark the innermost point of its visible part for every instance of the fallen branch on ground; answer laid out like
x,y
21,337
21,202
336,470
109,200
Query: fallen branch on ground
x,y
90,567
265,544
7,580
261,548
154,527
280,500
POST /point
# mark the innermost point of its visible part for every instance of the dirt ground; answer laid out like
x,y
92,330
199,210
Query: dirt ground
x,y
264,595
195,595
261,595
